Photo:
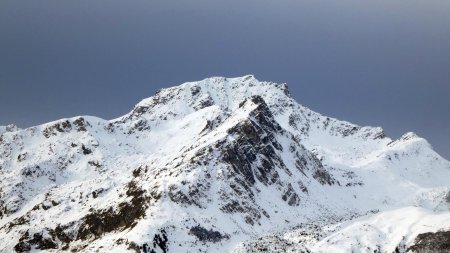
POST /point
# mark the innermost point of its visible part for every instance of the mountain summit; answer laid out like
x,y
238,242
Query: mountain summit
x,y
220,165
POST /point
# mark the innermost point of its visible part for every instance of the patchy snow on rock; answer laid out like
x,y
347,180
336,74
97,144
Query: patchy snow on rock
x,y
220,165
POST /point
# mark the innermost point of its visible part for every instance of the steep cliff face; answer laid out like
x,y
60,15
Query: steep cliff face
x,y
219,165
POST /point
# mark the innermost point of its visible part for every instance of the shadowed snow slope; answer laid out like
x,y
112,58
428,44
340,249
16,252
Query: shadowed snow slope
x,y
220,165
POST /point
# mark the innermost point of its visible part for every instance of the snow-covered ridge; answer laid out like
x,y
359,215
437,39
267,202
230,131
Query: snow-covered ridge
x,y
218,165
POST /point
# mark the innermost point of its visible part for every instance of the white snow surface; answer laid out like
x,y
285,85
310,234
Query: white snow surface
x,y
217,166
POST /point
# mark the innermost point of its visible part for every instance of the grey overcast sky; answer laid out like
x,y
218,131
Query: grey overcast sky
x,y
382,63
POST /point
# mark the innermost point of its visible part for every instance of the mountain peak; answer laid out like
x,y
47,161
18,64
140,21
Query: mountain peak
x,y
217,165
245,86
225,93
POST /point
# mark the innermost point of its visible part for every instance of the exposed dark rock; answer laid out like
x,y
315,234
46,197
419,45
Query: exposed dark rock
x,y
401,247
249,220
86,151
161,97
23,245
13,206
139,110
134,246
292,121
233,207
18,221
302,187
320,173
353,184
110,128
438,242
124,216
179,197
350,131
207,127
323,176
37,240
137,172
161,241
285,89
253,139
21,157
95,164
139,126
60,127
203,103
155,193
253,155
241,159
195,90
81,124
205,235
46,206
272,244
296,122
380,135
35,171
291,196
62,234
97,192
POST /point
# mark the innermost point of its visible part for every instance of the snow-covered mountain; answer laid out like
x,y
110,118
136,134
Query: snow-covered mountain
x,y
220,165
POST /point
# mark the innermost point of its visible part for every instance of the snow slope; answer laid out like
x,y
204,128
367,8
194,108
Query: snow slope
x,y
219,165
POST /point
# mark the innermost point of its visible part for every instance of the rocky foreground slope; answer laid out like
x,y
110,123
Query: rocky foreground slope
x,y
220,165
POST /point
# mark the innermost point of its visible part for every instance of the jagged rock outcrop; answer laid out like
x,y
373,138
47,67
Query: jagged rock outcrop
x,y
438,242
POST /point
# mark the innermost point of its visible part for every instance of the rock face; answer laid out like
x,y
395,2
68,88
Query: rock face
x,y
219,165
438,242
